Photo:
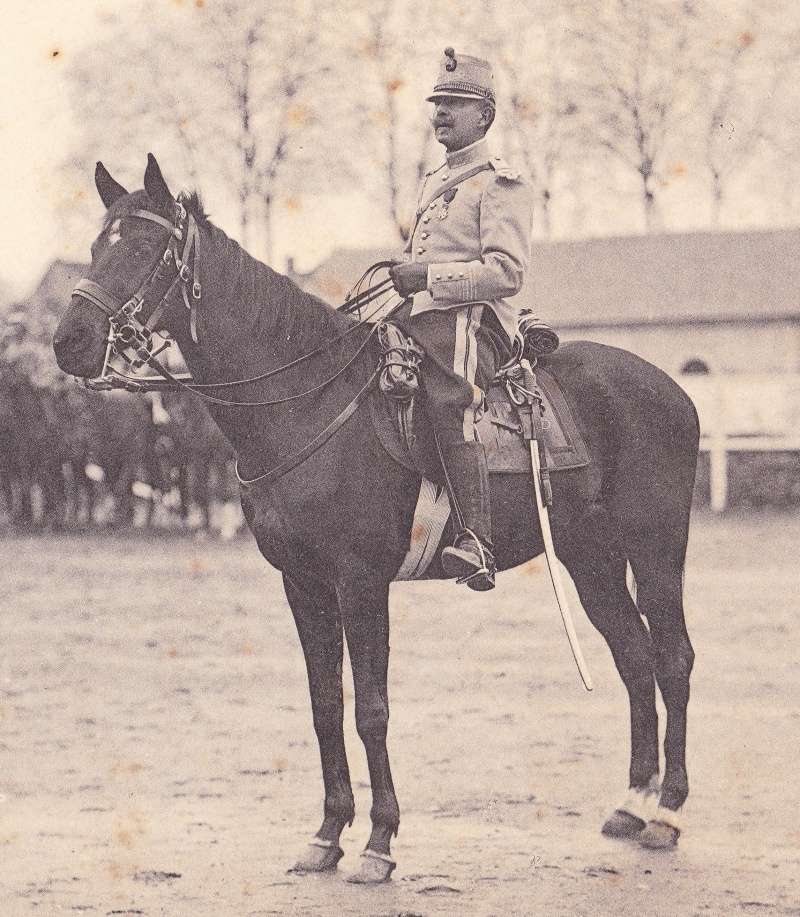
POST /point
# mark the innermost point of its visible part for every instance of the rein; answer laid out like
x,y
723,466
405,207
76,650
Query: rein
x,y
127,331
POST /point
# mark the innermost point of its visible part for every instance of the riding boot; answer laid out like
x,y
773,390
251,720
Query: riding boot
x,y
470,558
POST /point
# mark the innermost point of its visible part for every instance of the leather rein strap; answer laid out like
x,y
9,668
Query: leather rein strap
x,y
123,315
123,319
320,439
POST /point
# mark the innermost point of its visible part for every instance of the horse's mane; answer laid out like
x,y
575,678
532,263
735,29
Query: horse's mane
x,y
269,301
138,200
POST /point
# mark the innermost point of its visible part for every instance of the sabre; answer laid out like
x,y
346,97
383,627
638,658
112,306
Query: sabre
x,y
523,396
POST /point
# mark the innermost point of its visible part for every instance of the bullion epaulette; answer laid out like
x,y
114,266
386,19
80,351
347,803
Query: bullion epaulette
x,y
504,170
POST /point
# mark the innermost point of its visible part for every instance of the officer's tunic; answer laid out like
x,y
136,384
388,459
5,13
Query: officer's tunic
x,y
476,242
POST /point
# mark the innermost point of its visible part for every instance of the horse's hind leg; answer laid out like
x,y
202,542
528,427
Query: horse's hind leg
x,y
659,583
316,615
598,569
364,604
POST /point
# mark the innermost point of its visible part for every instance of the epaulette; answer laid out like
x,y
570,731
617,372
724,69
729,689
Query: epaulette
x,y
504,170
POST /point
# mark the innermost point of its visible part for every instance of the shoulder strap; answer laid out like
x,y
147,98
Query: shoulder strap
x,y
453,182
446,187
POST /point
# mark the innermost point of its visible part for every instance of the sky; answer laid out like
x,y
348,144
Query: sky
x,y
37,43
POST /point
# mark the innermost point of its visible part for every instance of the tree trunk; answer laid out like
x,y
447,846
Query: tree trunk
x,y
717,195
267,235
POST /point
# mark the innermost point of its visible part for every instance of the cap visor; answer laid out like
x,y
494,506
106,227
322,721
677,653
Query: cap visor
x,y
445,94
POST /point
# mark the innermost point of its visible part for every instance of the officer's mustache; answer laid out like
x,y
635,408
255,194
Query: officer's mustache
x,y
439,123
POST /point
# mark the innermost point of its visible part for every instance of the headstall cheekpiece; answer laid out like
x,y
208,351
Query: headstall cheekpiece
x,y
130,338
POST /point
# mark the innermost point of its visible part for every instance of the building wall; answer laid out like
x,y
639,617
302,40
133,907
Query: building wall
x,y
767,347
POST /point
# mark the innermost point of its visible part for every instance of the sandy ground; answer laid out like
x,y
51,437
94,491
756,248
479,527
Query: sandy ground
x,y
158,756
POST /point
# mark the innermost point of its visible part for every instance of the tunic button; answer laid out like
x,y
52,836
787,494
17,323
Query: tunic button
x,y
461,274
426,219
449,276
425,235
445,177
420,250
438,276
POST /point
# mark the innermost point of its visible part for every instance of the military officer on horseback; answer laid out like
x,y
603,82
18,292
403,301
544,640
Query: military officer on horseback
x,y
467,254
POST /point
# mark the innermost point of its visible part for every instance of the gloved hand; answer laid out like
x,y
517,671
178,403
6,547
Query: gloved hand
x,y
409,277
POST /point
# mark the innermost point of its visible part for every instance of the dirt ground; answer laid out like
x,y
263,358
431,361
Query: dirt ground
x,y
158,756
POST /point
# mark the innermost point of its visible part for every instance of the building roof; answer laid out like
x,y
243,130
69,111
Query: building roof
x,y
661,279
333,278
674,278
55,287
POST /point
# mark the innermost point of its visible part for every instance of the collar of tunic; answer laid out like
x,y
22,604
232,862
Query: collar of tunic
x,y
474,153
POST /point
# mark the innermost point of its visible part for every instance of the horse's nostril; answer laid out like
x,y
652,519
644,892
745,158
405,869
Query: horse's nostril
x,y
62,340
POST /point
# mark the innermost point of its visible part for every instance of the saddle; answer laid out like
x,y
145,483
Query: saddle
x,y
401,421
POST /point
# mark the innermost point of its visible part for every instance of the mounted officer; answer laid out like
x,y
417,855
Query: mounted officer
x,y
468,253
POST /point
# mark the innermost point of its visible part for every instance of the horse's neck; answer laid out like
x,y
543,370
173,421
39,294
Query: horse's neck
x,y
252,320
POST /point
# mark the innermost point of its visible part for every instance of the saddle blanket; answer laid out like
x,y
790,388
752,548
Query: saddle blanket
x,y
430,518
501,434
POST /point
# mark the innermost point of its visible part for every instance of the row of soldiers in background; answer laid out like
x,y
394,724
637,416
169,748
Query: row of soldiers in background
x,y
70,457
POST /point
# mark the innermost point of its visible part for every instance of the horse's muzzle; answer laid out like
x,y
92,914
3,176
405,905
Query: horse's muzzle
x,y
79,342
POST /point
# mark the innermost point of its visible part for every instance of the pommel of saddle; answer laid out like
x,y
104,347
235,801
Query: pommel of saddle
x,y
400,361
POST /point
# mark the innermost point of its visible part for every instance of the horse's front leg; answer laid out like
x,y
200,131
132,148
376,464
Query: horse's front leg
x,y
364,604
319,625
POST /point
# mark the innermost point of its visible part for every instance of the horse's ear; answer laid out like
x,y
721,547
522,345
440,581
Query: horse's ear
x,y
154,183
108,189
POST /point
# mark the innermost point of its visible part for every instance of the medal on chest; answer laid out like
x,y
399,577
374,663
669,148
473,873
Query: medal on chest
x,y
447,199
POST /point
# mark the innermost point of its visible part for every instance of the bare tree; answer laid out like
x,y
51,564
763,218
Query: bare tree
x,y
223,89
748,63
270,57
636,63
387,101
529,46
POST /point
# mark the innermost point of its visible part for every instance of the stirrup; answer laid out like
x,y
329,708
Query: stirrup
x,y
479,574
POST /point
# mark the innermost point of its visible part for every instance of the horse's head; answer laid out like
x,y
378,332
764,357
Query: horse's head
x,y
140,265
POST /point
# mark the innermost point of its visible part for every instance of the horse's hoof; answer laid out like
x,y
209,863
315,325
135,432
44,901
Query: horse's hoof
x,y
658,835
319,856
374,868
623,824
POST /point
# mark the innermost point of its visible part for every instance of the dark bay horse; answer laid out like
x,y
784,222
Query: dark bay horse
x,y
338,524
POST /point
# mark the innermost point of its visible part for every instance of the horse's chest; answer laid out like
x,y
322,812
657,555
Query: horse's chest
x,y
280,530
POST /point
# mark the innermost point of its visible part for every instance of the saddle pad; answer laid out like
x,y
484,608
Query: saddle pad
x,y
507,452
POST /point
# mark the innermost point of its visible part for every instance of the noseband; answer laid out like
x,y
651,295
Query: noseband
x,y
179,267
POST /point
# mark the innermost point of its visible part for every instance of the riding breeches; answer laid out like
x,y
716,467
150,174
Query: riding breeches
x,y
464,348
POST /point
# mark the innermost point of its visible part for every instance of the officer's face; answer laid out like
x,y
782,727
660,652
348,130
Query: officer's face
x,y
458,122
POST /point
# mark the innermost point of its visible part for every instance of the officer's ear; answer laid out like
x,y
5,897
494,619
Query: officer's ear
x,y
487,117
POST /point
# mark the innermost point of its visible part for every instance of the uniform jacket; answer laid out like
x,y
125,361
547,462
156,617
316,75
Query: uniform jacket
x,y
475,239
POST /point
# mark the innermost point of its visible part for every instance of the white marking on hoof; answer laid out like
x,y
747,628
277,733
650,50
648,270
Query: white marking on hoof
x,y
375,868
668,817
642,802
320,856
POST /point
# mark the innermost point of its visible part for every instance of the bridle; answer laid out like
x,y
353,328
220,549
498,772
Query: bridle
x,y
179,267
129,333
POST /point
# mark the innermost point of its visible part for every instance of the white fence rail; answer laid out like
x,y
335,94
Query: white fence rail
x,y
743,412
